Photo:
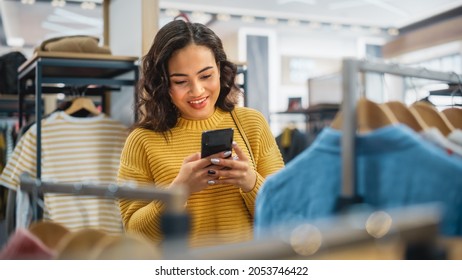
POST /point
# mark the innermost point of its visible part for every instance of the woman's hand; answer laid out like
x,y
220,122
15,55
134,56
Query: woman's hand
x,y
235,170
197,173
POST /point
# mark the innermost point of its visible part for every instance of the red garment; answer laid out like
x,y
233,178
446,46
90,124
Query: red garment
x,y
23,245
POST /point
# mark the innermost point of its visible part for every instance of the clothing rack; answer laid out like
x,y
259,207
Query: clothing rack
x,y
175,221
416,227
350,70
174,199
71,69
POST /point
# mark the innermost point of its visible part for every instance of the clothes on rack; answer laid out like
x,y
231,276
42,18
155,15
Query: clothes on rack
x,y
73,150
7,139
23,245
291,142
36,243
454,116
395,167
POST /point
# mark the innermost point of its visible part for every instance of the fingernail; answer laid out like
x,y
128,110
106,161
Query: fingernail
x,y
234,143
211,172
227,153
211,182
215,160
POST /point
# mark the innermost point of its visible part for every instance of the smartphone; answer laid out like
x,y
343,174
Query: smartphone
x,y
215,141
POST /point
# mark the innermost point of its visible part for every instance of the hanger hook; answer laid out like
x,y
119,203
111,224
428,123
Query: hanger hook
x,y
385,86
458,88
411,81
84,90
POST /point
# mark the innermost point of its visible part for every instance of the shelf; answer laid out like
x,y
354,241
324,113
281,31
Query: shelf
x,y
68,68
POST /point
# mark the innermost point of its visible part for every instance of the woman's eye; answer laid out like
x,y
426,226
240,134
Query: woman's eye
x,y
206,77
179,82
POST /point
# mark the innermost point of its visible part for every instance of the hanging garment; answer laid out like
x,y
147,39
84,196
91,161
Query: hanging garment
x,y
456,137
23,245
74,150
291,142
435,136
395,167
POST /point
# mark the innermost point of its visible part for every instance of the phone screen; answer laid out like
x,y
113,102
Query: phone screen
x,y
215,141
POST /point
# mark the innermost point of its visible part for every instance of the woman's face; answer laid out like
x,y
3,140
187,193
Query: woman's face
x,y
194,81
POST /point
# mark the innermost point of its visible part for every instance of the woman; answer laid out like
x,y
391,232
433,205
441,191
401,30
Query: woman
x,y
189,87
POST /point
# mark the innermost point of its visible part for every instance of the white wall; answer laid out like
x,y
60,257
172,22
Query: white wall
x,y
125,39
316,46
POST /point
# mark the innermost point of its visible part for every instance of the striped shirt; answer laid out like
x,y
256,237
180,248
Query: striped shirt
x,y
74,150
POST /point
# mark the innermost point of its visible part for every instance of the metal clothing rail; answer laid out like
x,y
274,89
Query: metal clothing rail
x,y
350,70
415,227
174,199
175,221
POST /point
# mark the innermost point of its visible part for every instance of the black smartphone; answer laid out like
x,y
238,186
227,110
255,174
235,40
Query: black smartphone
x,y
215,141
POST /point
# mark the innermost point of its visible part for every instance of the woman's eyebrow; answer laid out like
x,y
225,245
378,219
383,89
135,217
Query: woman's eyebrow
x,y
198,72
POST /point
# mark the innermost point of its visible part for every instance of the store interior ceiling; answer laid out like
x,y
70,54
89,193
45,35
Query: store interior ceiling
x,y
26,23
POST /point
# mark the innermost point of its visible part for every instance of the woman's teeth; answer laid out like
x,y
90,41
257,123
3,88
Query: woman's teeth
x,y
198,101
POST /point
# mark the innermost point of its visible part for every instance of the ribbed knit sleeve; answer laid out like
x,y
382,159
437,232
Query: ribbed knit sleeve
x,y
267,156
141,217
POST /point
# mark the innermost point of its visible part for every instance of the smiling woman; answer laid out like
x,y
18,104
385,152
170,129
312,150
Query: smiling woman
x,y
189,87
194,82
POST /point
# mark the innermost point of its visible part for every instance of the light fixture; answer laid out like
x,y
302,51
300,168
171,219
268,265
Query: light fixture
x,y
314,25
248,19
335,26
393,31
271,21
88,5
201,16
293,22
58,3
172,12
17,42
223,17
28,2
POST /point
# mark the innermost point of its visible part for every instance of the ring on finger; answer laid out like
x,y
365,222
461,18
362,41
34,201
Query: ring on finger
x,y
235,158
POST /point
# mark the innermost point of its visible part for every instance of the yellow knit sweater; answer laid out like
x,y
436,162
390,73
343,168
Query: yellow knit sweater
x,y
219,214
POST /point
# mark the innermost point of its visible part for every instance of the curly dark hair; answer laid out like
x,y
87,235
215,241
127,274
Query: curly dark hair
x,y
155,108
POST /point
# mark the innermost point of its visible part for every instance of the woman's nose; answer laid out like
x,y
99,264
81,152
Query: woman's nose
x,y
196,88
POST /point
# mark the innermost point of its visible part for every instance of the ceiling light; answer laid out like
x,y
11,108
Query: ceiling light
x,y
308,2
314,25
28,2
223,17
15,42
393,31
271,21
293,22
248,19
335,26
374,30
87,5
172,12
58,3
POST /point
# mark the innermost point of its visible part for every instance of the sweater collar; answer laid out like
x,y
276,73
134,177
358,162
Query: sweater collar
x,y
207,124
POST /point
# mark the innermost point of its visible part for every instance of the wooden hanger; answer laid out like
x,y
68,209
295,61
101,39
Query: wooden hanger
x,y
405,116
369,116
82,103
79,245
126,247
454,115
48,232
431,117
